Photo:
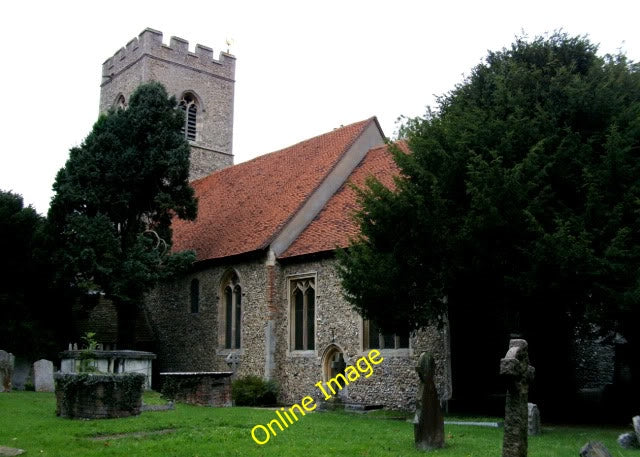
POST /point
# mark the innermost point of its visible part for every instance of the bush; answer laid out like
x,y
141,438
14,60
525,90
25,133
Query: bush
x,y
254,391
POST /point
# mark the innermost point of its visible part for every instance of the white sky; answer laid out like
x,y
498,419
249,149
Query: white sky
x,y
302,67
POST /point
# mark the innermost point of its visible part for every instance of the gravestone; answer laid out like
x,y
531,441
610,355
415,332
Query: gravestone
x,y
636,426
594,449
7,361
428,424
534,419
10,451
43,376
515,368
628,441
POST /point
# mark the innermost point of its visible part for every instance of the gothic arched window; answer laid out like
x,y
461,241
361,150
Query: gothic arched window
x,y
232,307
190,107
303,308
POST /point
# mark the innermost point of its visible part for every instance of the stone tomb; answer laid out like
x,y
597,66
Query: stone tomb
x,y
7,361
43,376
204,388
120,361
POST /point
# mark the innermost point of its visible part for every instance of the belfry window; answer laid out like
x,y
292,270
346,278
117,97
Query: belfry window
x,y
303,306
120,102
190,107
232,302
373,338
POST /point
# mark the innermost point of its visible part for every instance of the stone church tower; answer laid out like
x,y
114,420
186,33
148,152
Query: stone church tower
x,y
203,87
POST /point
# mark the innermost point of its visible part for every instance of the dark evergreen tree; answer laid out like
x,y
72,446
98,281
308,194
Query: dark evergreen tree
x,y
29,323
519,205
115,199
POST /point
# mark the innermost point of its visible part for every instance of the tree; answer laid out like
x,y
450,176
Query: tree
x,y
115,199
27,325
519,201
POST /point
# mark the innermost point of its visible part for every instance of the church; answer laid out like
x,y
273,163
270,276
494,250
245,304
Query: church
x,y
264,291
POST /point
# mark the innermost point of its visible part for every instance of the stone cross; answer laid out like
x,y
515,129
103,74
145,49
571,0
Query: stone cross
x,y
518,373
233,359
428,424
7,361
43,376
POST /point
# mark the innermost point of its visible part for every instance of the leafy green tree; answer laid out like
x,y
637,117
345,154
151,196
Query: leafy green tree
x,y
115,199
520,198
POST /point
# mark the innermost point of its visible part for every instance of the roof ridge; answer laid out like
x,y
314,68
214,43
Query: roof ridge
x,y
291,146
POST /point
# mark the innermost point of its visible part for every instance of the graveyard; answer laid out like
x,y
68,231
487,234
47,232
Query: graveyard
x,y
28,422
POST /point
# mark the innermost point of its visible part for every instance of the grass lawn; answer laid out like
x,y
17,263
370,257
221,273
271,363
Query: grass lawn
x,y
28,421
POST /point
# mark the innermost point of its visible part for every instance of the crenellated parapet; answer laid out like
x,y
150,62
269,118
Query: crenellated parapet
x,y
149,43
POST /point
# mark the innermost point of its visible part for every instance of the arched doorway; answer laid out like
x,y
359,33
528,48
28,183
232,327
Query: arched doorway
x,y
333,363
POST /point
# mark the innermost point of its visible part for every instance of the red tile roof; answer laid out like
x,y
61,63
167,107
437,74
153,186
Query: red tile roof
x,y
334,226
241,208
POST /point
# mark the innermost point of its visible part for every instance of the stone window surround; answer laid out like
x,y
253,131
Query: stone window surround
x,y
120,102
187,98
230,278
290,280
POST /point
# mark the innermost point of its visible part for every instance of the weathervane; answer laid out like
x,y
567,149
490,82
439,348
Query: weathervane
x,y
229,42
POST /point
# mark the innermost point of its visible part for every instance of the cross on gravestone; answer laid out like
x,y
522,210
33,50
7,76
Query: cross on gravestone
x,y
233,359
428,424
518,373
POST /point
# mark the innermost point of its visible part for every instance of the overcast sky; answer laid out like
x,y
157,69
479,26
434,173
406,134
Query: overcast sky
x,y
303,68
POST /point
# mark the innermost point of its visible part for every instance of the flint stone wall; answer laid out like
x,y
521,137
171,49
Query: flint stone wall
x,y
195,341
189,342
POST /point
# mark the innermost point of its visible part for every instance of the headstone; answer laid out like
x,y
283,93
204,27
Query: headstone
x,y
6,370
636,426
10,451
43,376
628,441
428,424
518,373
534,419
594,449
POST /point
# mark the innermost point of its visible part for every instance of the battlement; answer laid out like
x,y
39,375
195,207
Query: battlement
x,y
149,42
